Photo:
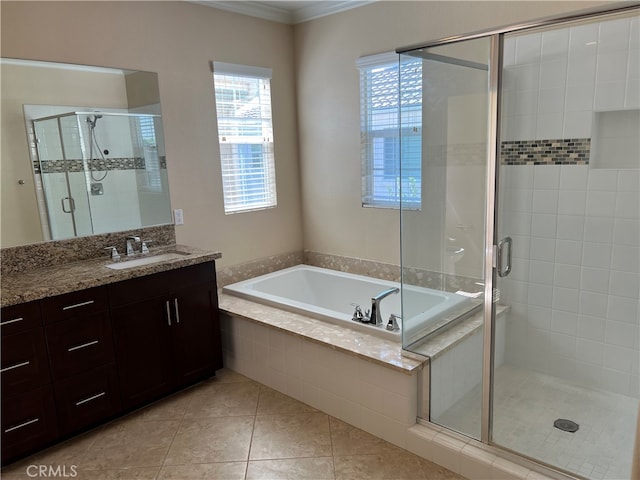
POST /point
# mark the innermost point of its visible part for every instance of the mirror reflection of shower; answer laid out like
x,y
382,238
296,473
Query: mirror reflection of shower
x,y
94,141
99,171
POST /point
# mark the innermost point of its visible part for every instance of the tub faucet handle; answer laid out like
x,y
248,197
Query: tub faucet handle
x,y
392,324
357,313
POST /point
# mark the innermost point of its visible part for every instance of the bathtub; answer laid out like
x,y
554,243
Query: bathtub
x,y
329,295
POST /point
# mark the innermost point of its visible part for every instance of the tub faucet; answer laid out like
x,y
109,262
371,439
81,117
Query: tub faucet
x,y
375,318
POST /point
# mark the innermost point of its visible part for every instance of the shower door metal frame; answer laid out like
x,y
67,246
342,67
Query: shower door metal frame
x,y
493,149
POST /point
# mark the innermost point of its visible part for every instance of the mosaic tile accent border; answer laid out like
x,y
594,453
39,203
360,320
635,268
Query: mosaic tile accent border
x,y
77,165
571,151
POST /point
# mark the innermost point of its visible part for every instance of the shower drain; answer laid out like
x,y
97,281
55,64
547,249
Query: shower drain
x,y
566,425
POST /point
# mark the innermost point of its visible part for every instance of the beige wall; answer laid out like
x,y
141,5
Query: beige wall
x,y
328,109
40,86
178,40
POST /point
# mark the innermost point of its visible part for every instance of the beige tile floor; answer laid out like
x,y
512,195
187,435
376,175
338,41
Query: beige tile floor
x,y
229,428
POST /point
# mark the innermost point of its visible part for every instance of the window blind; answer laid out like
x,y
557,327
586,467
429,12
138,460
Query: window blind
x,y
245,135
391,128
144,131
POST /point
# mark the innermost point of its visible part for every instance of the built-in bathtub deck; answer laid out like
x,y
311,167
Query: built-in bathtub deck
x,y
363,345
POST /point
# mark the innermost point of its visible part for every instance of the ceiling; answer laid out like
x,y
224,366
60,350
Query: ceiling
x,y
285,11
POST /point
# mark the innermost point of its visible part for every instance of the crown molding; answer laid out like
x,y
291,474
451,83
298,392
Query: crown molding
x,y
322,9
265,11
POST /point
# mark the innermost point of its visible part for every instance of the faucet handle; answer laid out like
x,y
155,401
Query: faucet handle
x,y
144,248
357,313
115,256
392,324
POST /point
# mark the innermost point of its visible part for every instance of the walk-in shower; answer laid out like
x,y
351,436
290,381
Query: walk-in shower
x,y
531,197
99,172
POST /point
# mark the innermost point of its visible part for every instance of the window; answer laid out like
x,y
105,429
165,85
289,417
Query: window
x,y
384,140
144,132
245,133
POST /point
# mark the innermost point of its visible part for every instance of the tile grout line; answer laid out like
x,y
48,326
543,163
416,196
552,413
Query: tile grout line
x,y
164,459
253,428
333,452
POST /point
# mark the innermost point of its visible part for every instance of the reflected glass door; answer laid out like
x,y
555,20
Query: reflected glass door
x,y
566,380
443,242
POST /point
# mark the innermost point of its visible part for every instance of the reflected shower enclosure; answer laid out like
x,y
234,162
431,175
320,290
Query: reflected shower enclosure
x,y
99,172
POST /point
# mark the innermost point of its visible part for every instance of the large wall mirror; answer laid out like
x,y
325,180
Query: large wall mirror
x,y
82,151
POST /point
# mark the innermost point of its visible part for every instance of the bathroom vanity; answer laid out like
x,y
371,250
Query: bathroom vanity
x,y
91,342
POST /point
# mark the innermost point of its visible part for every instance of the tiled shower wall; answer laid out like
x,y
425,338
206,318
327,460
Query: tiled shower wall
x,y
574,285
575,281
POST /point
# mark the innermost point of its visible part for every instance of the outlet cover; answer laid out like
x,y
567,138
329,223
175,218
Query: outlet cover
x,y
178,216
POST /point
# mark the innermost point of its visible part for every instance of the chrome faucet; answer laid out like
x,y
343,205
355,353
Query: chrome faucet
x,y
375,318
130,240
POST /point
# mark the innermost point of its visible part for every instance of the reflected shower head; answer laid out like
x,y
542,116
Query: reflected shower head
x,y
93,122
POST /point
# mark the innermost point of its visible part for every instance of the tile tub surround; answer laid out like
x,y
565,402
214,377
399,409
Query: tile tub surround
x,y
231,428
70,277
255,268
359,266
388,271
35,256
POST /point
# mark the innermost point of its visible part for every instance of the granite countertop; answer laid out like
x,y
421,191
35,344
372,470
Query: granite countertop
x,y
70,277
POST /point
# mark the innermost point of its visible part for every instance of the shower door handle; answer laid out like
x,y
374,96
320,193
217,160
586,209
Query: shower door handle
x,y
504,268
72,205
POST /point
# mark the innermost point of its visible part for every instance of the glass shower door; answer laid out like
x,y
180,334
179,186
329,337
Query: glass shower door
x,y
63,179
443,242
566,389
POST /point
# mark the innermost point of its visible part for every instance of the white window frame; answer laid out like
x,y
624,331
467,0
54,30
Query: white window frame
x,y
386,181
245,137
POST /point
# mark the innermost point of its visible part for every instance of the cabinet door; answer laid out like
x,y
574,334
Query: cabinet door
x,y
79,344
28,422
86,399
18,318
143,352
24,362
192,334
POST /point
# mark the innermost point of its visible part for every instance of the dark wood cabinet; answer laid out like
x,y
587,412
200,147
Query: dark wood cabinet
x,y
142,351
25,365
28,410
72,361
28,422
87,399
166,331
80,343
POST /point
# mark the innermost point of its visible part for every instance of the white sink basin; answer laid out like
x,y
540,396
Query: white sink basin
x,y
147,260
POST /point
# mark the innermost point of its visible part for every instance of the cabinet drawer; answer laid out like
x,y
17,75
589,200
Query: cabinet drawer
x,y
79,344
86,399
74,304
18,318
160,284
28,423
24,363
